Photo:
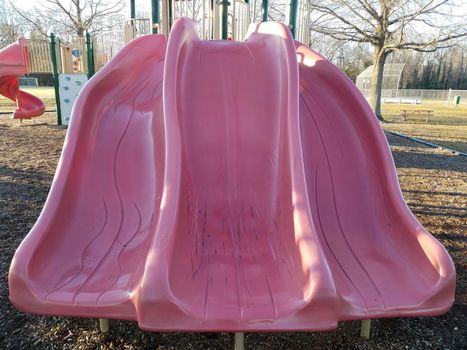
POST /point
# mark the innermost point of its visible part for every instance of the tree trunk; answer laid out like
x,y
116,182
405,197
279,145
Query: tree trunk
x,y
461,72
379,57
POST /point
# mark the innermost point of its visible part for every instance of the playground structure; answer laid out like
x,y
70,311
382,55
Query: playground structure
x,y
214,20
241,212
13,64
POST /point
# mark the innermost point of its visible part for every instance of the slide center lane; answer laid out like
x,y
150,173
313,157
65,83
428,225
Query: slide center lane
x,y
236,253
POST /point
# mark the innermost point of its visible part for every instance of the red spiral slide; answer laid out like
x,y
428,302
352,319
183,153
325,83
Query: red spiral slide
x,y
13,64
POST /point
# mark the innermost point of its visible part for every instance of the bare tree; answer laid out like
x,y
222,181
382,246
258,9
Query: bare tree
x,y
389,25
73,17
12,25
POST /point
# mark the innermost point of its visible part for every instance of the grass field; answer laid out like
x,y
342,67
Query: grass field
x,y
46,93
40,91
442,113
448,127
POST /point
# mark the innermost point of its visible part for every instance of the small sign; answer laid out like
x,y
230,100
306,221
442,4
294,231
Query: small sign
x,y
76,53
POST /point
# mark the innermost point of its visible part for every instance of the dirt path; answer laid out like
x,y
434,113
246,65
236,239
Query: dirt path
x,y
434,183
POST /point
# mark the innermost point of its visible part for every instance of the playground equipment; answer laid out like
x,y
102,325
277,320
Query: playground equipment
x,y
69,87
213,19
227,186
13,64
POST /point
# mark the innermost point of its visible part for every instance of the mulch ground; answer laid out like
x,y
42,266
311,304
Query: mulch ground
x,y
434,183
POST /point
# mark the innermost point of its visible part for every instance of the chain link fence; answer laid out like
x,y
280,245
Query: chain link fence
x,y
420,96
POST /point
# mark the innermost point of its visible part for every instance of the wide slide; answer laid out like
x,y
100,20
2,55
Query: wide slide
x,y
227,186
13,64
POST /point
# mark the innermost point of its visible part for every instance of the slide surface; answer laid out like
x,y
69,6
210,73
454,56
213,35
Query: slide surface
x,y
227,186
13,64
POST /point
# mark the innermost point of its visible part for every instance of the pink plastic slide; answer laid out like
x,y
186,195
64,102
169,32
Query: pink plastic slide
x,y
13,64
227,186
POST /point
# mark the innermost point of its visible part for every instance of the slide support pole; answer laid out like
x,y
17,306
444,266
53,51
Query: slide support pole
x,y
104,325
365,331
265,10
155,16
90,56
225,18
239,341
53,57
132,9
293,17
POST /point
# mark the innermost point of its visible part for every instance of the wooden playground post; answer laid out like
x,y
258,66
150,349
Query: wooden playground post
x,y
365,330
66,59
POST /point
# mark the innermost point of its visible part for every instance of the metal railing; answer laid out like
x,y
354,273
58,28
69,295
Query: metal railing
x,y
239,19
135,27
106,46
205,14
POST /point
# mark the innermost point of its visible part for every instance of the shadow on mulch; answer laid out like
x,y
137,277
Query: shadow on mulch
x,y
411,154
25,174
431,161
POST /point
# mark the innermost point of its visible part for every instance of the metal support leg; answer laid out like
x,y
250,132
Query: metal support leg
x,y
104,325
365,331
239,341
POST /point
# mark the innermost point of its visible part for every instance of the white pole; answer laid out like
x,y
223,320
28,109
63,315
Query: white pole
x,y
234,18
397,86
308,23
203,18
248,15
365,331
104,325
217,22
239,341
249,19
164,18
254,11
449,96
239,22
